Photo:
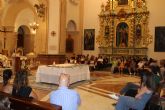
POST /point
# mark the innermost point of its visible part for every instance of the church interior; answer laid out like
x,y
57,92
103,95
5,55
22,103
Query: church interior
x,y
94,41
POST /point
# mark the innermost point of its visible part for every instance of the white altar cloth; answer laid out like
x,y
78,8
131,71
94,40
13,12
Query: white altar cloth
x,y
51,73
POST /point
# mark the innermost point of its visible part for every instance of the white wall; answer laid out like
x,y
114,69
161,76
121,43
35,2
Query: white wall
x,y
92,9
72,13
157,18
54,25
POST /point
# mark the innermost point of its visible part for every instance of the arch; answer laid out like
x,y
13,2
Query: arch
x,y
22,12
18,7
20,37
122,35
24,39
27,14
71,26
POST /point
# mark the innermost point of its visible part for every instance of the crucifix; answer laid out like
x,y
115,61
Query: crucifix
x,y
53,33
4,30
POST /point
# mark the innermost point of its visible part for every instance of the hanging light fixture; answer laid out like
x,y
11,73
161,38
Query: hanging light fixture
x,y
34,25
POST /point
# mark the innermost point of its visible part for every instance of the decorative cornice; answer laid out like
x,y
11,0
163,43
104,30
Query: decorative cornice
x,y
75,2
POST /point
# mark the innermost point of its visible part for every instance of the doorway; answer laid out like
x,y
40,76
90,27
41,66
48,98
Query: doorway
x,y
20,38
25,40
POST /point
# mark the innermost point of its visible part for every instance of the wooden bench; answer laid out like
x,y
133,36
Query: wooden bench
x,y
19,103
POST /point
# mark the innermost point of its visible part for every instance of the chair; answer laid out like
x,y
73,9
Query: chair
x,y
162,102
155,103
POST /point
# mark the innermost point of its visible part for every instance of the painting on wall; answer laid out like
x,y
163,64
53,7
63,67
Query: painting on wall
x,y
159,39
89,39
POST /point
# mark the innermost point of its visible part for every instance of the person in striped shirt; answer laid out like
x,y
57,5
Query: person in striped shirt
x,y
67,98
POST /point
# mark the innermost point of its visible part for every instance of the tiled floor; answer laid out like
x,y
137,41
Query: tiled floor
x,y
94,94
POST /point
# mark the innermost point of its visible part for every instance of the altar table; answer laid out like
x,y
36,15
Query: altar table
x,y
51,73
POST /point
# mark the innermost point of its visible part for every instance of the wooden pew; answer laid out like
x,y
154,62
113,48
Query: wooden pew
x,y
19,103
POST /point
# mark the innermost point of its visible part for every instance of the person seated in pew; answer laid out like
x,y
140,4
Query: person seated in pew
x,y
162,72
67,98
21,85
132,67
114,68
138,102
4,102
7,73
99,63
131,88
121,66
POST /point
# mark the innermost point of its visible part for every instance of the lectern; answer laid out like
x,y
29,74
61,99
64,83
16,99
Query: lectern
x,y
16,63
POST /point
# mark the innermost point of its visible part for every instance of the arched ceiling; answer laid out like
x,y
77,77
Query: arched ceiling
x,y
11,8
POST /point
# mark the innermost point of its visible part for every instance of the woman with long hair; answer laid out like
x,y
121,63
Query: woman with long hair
x,y
21,85
7,74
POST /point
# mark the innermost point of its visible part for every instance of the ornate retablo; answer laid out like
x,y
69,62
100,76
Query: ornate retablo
x,y
124,24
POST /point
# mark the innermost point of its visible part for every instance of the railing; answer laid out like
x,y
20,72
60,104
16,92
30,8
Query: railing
x,y
123,51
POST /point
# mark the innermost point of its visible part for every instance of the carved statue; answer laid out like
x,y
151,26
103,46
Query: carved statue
x,y
69,44
40,9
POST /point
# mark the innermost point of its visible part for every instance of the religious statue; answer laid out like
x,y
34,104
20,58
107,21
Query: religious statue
x,y
138,31
122,35
40,9
123,38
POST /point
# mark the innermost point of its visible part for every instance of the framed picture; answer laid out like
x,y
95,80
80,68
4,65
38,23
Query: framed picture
x,y
159,39
89,39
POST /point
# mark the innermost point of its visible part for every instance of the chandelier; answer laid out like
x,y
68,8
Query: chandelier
x,y
34,25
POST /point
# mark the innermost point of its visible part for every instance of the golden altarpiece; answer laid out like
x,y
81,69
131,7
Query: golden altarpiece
x,y
124,28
